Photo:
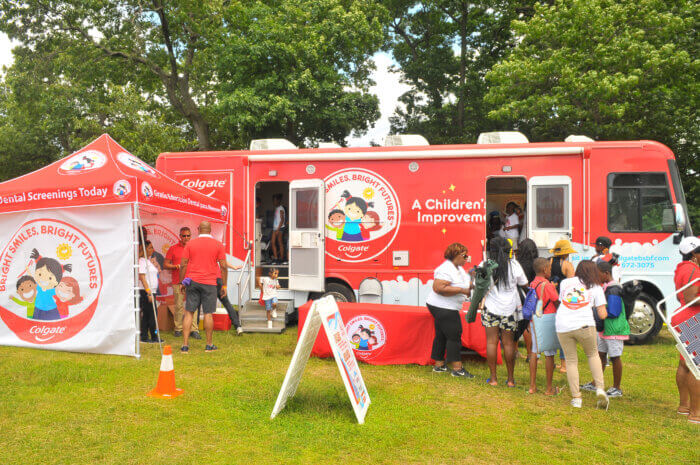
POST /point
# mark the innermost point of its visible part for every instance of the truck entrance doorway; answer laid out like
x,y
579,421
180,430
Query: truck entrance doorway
x,y
500,192
266,216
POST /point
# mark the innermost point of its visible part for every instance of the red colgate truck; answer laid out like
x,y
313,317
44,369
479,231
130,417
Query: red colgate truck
x,y
372,223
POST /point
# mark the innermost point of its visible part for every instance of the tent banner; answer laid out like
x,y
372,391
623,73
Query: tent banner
x,y
66,280
162,228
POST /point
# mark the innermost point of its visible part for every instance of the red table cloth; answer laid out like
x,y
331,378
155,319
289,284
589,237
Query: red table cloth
x,y
392,334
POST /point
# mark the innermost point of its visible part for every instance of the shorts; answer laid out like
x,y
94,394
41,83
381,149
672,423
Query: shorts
x,y
203,295
612,347
269,302
506,323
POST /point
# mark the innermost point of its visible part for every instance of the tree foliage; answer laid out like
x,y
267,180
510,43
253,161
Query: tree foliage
x,y
444,49
216,72
610,69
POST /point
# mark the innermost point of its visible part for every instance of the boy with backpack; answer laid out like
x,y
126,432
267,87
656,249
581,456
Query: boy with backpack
x,y
548,296
616,330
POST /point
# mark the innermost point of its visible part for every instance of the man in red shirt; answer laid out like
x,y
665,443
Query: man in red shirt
x,y
172,262
686,272
203,261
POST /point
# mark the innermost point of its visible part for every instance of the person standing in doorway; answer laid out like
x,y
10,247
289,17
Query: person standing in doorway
x,y
203,261
173,259
279,222
512,224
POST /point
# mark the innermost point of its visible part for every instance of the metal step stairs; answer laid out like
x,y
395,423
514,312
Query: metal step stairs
x,y
254,318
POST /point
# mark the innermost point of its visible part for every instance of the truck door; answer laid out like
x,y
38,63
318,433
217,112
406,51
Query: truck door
x,y
549,210
306,235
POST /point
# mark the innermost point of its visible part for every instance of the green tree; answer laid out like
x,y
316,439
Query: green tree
x,y
208,59
610,69
444,49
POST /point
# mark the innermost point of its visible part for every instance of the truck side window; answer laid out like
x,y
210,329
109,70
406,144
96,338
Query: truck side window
x,y
639,202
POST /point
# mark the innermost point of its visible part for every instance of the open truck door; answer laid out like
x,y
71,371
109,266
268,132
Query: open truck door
x,y
549,210
306,235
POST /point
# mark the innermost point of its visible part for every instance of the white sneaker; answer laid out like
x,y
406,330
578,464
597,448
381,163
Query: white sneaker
x,y
603,400
239,330
576,402
269,324
274,314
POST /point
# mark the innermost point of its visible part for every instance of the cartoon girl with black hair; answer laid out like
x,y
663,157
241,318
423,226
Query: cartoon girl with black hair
x,y
355,209
47,273
365,334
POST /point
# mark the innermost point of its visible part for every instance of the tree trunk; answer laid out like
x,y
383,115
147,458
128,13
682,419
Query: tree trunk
x,y
462,68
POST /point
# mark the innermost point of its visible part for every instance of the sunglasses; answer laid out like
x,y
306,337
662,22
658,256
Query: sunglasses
x,y
185,235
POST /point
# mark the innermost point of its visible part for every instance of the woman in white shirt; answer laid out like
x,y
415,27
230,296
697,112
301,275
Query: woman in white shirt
x,y
580,296
148,284
451,287
500,304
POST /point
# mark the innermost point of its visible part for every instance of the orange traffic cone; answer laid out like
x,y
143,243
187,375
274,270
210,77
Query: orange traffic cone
x,y
165,388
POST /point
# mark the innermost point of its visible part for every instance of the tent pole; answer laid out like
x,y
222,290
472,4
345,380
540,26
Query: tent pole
x,y
134,287
153,296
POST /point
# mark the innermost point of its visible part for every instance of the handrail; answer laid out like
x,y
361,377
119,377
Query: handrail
x,y
245,269
680,345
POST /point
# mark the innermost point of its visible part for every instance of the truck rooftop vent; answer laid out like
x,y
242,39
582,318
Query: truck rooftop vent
x,y
271,144
394,140
578,138
328,145
502,137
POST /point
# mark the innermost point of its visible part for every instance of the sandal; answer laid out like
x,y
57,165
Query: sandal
x,y
694,420
557,391
510,385
488,381
531,391
683,411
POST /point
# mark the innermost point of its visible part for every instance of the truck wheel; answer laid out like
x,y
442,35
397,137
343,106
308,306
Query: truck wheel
x,y
340,292
645,322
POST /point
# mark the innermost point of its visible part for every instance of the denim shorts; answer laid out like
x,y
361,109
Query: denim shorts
x,y
269,302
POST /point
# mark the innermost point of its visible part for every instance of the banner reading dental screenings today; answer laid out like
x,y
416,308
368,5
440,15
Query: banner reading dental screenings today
x,y
66,279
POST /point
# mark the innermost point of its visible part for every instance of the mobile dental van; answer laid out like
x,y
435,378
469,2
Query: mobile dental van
x,y
371,224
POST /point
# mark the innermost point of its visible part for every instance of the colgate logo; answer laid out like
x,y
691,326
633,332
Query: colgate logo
x,y
200,184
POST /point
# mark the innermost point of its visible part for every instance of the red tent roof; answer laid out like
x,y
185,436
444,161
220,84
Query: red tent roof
x,y
103,173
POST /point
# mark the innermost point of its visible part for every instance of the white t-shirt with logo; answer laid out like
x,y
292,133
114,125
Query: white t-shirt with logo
x,y
504,300
149,269
269,287
577,305
457,277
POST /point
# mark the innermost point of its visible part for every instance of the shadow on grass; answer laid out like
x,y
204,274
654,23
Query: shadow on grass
x,y
325,402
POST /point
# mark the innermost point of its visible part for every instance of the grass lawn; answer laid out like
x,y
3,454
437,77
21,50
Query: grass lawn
x,y
66,408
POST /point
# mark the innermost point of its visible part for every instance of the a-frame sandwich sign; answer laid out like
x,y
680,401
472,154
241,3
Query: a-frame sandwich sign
x,y
325,312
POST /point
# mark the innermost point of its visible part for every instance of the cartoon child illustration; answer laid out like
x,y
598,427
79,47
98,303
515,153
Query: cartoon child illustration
x,y
355,209
355,341
336,220
370,222
372,342
26,290
48,273
67,294
365,335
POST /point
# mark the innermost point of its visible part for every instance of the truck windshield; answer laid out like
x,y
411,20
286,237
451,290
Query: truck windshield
x,y
679,193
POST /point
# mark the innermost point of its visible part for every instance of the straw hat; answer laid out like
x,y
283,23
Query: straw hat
x,y
562,247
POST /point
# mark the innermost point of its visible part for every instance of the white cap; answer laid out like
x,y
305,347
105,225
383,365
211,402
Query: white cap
x,y
688,244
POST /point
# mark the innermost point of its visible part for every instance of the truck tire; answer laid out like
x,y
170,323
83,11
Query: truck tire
x,y
645,322
340,292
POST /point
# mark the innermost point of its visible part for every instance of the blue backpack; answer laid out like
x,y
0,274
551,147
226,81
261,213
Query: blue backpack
x,y
531,303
